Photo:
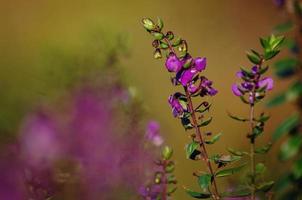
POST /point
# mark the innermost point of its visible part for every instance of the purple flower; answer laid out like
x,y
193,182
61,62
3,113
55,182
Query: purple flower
x,y
173,64
200,63
187,76
206,87
153,133
236,90
266,82
177,108
279,3
192,88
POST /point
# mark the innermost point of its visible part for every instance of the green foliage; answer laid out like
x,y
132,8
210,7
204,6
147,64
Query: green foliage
x,y
230,171
266,186
285,126
277,100
205,123
286,67
260,168
284,27
264,149
192,149
213,139
204,181
291,147
197,195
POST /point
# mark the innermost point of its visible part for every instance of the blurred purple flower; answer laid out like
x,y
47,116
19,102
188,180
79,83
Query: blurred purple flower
x,y
153,133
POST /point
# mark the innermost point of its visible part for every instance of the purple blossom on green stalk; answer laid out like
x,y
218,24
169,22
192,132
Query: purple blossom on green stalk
x,y
252,90
187,72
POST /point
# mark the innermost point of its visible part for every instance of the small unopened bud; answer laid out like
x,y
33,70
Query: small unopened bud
x,y
155,43
183,46
170,35
167,152
157,54
148,24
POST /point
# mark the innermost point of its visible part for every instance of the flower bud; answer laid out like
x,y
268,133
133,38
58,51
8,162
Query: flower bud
x,y
170,35
167,152
155,43
157,54
148,24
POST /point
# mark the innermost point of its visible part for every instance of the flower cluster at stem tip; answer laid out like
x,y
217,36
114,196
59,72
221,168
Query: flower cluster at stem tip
x,y
185,69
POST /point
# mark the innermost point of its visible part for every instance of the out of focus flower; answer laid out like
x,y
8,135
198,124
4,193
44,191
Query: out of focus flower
x,y
153,133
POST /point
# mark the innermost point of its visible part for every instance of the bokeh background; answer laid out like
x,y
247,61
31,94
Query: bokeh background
x,y
40,41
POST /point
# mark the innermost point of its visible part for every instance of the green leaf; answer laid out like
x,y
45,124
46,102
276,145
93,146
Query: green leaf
x,y
264,43
164,45
197,195
264,149
170,167
294,91
253,57
241,192
228,172
291,147
157,36
263,118
297,169
270,54
236,152
227,158
213,139
265,187
237,118
191,148
284,27
286,67
186,123
177,42
277,100
160,23
171,189
204,180
205,123
260,168
285,126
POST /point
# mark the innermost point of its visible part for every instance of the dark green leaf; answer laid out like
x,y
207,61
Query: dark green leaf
x,y
164,45
228,172
171,189
236,152
177,42
260,168
241,192
291,147
205,123
277,100
197,195
286,126
297,169
186,123
294,91
213,139
204,180
254,58
270,54
237,118
286,67
191,148
264,149
265,187
284,27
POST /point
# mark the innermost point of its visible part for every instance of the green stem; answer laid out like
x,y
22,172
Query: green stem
x,y
252,152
